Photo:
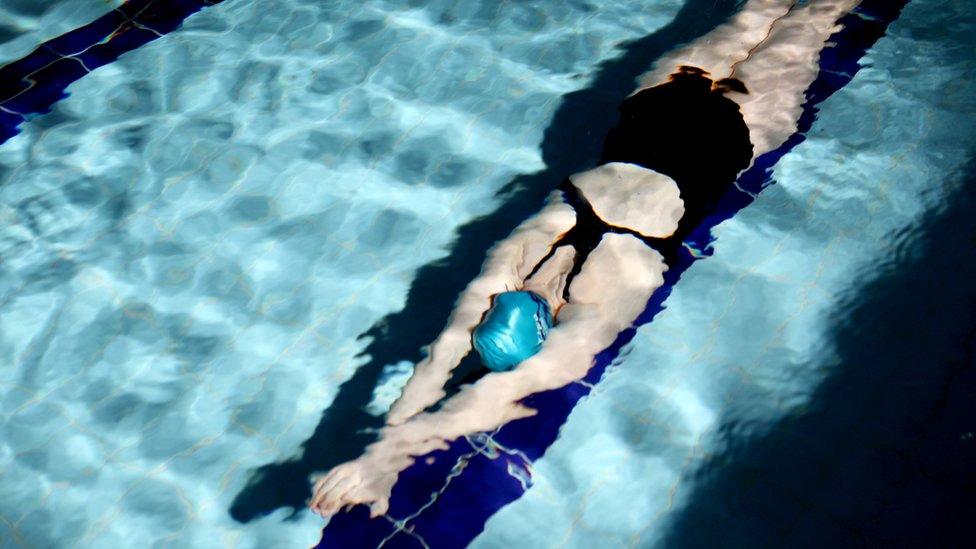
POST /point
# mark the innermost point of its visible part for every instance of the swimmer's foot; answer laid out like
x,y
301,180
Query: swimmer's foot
x,y
361,481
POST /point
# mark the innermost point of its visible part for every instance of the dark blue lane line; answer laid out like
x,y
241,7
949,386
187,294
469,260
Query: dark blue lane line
x,y
30,85
474,478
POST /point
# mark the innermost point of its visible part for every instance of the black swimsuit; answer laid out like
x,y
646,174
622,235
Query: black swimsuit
x,y
685,129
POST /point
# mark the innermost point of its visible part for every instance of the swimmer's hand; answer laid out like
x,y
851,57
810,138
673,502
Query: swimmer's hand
x,y
369,479
352,483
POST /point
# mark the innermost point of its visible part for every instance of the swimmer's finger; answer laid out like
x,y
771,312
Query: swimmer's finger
x,y
378,508
328,498
316,491
320,482
321,488
329,481
335,498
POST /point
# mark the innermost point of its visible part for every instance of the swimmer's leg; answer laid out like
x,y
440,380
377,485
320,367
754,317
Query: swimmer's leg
x,y
607,295
729,43
506,268
772,47
778,71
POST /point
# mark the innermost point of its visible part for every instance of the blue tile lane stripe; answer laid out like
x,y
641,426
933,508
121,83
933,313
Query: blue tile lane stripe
x,y
30,85
445,501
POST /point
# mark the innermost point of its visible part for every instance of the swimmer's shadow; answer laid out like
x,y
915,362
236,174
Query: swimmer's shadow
x,y
571,143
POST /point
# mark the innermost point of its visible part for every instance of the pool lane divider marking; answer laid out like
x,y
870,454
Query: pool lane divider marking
x,y
32,84
487,472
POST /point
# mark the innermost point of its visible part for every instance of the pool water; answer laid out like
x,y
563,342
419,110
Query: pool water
x,y
221,254
25,23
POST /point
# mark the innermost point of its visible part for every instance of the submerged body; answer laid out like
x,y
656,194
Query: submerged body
x,y
599,248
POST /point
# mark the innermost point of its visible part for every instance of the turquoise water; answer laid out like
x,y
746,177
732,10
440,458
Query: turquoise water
x,y
195,240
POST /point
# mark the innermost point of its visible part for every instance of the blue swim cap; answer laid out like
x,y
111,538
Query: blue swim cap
x,y
513,330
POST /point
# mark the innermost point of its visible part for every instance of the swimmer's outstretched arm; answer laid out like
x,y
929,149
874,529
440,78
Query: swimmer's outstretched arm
x,y
613,287
509,263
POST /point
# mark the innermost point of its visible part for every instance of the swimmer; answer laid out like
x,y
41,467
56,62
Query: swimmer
x,y
600,246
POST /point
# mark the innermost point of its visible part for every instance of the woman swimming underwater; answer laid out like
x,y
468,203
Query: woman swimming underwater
x,y
598,249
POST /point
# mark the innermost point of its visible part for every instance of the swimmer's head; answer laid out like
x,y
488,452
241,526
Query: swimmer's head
x,y
513,330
